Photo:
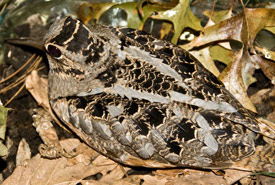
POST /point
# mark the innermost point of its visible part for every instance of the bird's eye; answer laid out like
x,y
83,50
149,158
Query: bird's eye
x,y
53,51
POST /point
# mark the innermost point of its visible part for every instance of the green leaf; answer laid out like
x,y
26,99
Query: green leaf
x,y
219,16
270,174
222,54
3,120
133,19
88,11
181,16
3,150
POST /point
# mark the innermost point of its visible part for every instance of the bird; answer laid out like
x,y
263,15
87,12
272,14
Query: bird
x,y
142,101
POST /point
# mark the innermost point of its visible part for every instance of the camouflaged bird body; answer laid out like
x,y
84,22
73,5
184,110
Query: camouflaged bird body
x,y
146,102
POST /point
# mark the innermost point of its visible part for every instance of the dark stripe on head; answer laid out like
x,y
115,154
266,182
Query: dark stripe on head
x,y
93,48
93,53
74,71
89,59
80,40
66,32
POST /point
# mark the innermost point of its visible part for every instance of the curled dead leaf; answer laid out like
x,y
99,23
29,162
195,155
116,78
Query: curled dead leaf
x,y
233,76
268,67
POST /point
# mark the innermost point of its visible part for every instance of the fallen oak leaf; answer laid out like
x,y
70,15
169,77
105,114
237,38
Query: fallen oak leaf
x,y
229,29
222,54
268,54
88,11
232,77
23,152
186,177
233,176
219,16
267,67
39,170
203,55
234,28
181,16
257,19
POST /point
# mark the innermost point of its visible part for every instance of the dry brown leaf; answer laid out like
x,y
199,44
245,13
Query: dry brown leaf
x,y
268,67
224,30
186,177
232,77
23,152
219,16
265,180
232,176
243,28
257,19
38,170
44,127
235,28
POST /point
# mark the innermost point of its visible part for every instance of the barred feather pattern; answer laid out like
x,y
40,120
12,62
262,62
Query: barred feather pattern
x,y
145,102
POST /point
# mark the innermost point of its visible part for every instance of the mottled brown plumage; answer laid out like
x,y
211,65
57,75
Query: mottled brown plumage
x,y
145,102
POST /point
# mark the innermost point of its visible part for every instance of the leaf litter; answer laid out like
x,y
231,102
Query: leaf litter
x,y
225,32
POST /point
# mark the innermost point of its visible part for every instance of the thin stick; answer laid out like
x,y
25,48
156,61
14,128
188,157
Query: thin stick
x,y
4,7
247,2
211,13
11,86
19,90
18,70
22,77
40,68
213,9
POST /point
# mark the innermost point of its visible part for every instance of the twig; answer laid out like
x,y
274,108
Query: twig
x,y
9,87
19,90
23,76
3,9
18,70
212,10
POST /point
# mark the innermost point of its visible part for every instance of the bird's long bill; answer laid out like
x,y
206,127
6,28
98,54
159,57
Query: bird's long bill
x,y
27,41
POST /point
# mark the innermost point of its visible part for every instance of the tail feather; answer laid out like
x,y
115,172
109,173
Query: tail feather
x,y
263,159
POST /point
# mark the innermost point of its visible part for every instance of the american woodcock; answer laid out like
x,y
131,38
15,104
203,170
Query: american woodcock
x,y
145,102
